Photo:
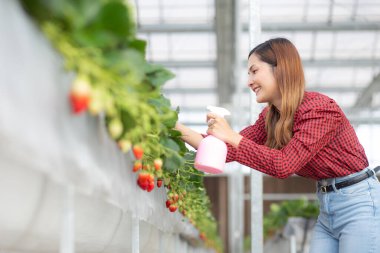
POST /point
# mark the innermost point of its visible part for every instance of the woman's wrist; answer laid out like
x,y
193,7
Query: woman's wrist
x,y
235,139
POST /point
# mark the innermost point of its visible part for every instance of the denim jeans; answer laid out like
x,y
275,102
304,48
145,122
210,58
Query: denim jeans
x,y
349,219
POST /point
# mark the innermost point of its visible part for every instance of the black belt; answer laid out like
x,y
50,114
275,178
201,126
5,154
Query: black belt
x,y
351,181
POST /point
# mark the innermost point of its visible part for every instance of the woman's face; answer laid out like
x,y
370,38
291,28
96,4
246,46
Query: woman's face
x,y
262,82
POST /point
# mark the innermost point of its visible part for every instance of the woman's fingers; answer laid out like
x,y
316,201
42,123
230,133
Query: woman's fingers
x,y
211,116
211,122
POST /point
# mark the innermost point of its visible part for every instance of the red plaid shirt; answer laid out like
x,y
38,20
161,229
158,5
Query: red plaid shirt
x,y
324,144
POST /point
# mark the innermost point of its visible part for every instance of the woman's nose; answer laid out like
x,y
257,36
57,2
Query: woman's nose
x,y
250,81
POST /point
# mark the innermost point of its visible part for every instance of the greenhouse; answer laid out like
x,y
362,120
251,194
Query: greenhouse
x,y
132,126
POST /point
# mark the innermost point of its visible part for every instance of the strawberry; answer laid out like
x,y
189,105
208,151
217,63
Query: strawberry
x,y
124,145
137,166
157,164
172,208
202,236
159,183
80,95
96,104
115,128
175,197
150,186
168,203
138,151
143,180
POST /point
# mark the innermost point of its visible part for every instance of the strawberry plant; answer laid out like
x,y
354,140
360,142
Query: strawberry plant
x,y
97,39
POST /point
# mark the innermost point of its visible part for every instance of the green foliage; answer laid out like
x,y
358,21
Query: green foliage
x,y
278,215
97,39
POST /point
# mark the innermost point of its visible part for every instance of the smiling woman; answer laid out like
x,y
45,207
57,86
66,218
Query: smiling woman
x,y
277,79
305,133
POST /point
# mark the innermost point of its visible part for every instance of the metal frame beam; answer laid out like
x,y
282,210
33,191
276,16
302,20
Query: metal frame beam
x,y
330,89
225,29
354,120
365,98
266,27
363,62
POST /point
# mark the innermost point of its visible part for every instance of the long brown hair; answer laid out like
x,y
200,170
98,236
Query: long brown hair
x,y
286,63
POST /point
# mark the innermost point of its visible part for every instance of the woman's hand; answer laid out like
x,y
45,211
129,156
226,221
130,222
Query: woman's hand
x,y
188,135
219,127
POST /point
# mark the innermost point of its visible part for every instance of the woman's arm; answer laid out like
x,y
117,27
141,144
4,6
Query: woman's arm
x,y
188,135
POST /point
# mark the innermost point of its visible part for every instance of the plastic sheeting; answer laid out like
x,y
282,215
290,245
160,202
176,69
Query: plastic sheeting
x,y
41,140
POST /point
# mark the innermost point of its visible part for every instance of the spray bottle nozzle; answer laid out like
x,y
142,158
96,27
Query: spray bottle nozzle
x,y
220,111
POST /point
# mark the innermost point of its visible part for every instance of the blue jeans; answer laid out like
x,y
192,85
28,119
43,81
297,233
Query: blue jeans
x,y
349,219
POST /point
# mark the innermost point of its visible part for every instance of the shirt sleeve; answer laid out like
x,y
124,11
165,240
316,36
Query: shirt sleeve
x,y
313,130
255,133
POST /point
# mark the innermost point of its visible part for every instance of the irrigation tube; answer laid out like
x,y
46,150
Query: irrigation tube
x,y
67,244
135,234
256,176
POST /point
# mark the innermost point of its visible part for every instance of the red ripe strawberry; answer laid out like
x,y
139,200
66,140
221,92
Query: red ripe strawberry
x,y
168,203
150,186
142,185
138,152
202,236
80,95
157,164
143,180
173,208
159,183
137,166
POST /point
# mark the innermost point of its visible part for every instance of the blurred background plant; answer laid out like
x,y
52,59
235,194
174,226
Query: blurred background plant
x,y
276,219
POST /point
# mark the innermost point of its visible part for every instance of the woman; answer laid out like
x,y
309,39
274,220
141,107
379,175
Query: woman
x,y
305,133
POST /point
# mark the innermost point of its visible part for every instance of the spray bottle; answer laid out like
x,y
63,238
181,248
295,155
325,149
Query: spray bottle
x,y
212,152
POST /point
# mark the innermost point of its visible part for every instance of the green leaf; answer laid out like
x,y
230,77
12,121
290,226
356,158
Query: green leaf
x,y
161,104
174,134
95,38
169,143
158,75
115,17
181,144
173,163
170,121
128,120
190,155
139,45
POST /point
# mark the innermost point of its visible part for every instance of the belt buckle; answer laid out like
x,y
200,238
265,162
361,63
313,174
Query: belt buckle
x,y
324,188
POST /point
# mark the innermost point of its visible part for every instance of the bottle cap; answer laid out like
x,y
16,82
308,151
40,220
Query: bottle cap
x,y
220,111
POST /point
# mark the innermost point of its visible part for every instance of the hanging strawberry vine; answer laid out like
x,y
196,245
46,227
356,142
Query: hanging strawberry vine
x,y
97,39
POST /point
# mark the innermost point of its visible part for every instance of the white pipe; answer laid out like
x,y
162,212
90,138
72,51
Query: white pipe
x,y
135,235
256,177
67,244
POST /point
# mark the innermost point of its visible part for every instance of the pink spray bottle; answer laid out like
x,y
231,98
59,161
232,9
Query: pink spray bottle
x,y
212,152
